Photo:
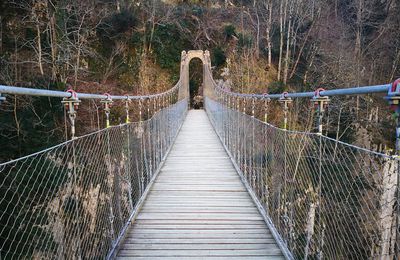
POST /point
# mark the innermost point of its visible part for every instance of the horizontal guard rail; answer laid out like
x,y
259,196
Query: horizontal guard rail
x,y
334,92
53,93
385,88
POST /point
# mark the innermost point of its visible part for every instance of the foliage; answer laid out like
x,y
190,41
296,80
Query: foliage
x,y
115,26
229,31
245,41
37,121
167,48
218,57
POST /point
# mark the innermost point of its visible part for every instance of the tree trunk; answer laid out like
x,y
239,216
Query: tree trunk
x,y
153,25
300,53
337,134
287,54
357,49
53,46
281,30
395,64
15,58
258,35
269,40
39,47
78,60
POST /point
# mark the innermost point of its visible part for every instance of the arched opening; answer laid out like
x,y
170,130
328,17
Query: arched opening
x,y
196,83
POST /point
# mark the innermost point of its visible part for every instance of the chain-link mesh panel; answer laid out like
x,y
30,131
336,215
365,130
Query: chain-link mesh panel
x,y
325,198
74,200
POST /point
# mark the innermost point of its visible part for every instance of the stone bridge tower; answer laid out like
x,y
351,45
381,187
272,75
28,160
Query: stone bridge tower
x,y
186,57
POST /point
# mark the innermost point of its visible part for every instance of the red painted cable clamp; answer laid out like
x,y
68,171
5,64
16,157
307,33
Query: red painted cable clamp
x,y
393,96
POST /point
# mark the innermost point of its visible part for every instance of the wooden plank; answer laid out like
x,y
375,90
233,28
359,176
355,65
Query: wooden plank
x,y
201,216
207,193
187,209
196,202
196,236
200,241
200,258
204,253
198,208
202,222
197,231
163,226
221,189
199,246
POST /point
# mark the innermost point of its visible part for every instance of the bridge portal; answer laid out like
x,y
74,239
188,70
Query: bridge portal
x,y
186,58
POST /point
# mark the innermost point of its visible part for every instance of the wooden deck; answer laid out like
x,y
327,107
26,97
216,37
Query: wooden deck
x,y
198,208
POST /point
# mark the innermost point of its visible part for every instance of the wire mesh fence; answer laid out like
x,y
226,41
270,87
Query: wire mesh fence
x,y
75,200
325,198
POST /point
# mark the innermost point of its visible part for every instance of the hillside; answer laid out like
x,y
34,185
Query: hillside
x,y
134,47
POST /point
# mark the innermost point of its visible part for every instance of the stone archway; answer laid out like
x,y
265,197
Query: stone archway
x,y
186,57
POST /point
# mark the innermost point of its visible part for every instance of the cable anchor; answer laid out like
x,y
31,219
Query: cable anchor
x,y
253,104
266,105
107,107
286,101
71,105
320,105
140,109
127,102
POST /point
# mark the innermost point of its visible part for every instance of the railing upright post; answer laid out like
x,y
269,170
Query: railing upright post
x,y
265,177
230,122
226,119
107,108
109,166
157,144
320,104
71,104
150,152
252,153
266,105
128,150
141,178
169,117
238,159
244,146
155,138
285,101
140,110
127,102
148,108
162,106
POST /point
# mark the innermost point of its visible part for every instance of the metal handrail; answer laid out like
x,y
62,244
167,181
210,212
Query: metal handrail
x,y
62,94
324,93
334,92
384,88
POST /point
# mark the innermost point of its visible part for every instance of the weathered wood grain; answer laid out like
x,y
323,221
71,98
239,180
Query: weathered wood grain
x,y
198,208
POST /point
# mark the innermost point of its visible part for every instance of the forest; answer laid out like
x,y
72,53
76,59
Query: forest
x,y
134,46
329,195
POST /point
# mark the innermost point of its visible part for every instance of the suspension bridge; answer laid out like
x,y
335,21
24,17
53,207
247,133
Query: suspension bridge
x,y
218,183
